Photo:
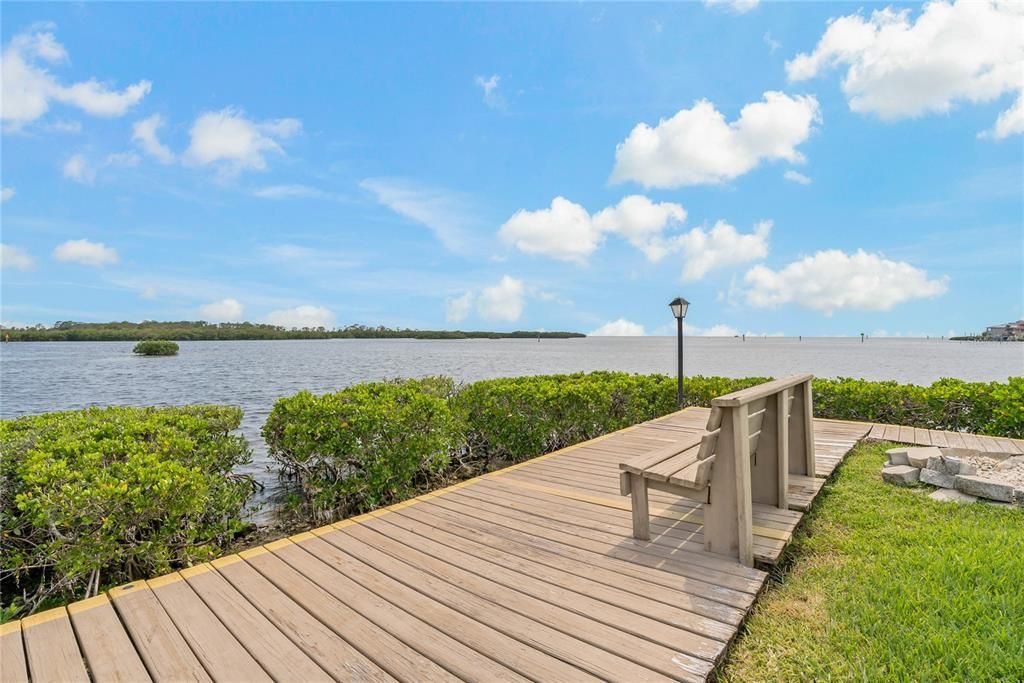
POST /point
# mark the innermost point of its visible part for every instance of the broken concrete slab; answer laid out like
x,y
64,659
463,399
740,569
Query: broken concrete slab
x,y
897,456
984,488
940,479
901,475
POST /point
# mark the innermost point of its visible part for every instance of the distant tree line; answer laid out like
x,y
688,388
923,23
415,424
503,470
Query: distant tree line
x,y
197,330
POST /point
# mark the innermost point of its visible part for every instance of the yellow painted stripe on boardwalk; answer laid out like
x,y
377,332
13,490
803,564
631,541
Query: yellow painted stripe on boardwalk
x,y
87,604
10,627
253,552
196,570
43,617
118,591
164,580
221,562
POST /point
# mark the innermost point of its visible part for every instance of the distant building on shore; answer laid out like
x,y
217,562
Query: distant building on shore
x,y
1007,332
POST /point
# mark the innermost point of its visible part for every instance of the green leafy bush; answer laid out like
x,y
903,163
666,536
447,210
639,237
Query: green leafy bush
x,y
376,444
949,404
518,418
365,446
156,347
100,496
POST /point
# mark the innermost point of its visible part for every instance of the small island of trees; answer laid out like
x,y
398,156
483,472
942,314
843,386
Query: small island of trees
x,y
156,347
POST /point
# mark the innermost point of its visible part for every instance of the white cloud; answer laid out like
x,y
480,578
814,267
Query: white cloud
x,y
86,253
707,250
642,223
302,316
698,147
504,301
236,143
492,98
15,258
6,193
144,135
772,44
897,68
457,308
28,87
446,213
225,310
794,176
619,328
564,231
737,6
833,280
80,169
280,192
77,168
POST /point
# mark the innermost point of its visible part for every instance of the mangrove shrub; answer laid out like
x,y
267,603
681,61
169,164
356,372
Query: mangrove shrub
x,y
156,347
365,446
100,496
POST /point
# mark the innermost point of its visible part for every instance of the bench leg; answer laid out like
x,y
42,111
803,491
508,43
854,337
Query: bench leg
x,y
641,514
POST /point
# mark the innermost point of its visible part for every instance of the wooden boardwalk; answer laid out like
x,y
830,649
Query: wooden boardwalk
x,y
530,573
995,445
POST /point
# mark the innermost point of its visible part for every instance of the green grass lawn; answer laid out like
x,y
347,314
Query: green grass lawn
x,y
884,584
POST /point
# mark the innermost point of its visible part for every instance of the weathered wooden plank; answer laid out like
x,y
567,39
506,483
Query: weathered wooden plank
x,y
489,641
107,648
567,514
955,440
649,460
622,548
606,650
671,590
51,649
603,494
505,614
167,656
666,468
278,655
695,476
454,656
340,657
938,438
13,667
671,614
579,602
744,396
221,654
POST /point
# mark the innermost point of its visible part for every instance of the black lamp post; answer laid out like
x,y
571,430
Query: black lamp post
x,y
679,306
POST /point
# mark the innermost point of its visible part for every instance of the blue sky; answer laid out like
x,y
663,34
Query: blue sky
x,y
569,166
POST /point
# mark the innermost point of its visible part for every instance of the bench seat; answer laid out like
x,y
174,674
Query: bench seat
x,y
771,420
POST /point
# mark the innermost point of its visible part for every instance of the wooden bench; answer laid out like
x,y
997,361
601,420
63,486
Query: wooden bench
x,y
755,439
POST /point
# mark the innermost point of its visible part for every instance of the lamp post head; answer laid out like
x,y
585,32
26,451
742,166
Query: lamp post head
x,y
679,306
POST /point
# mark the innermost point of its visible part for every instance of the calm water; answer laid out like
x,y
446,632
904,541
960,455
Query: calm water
x,y
46,376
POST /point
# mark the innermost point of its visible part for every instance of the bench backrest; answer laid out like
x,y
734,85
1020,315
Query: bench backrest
x,y
765,434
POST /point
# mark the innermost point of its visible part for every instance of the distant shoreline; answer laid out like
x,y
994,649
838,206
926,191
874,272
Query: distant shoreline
x,y
202,331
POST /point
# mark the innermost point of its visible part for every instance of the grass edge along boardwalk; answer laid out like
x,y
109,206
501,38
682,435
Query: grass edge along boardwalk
x,y
530,572
885,584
